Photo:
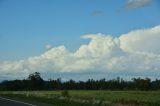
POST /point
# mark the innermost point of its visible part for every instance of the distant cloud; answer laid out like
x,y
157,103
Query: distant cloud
x,y
97,13
48,46
133,4
135,52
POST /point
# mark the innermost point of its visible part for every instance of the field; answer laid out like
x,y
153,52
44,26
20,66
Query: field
x,y
89,97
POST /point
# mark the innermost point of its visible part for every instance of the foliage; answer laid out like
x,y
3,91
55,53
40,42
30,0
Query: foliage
x,y
35,82
65,93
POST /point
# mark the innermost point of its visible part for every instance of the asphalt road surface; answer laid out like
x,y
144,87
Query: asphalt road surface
x,y
11,102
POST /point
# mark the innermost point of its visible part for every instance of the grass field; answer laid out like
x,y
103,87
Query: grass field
x,y
89,97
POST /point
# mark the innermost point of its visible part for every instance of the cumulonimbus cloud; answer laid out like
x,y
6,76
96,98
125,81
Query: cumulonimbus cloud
x,y
137,51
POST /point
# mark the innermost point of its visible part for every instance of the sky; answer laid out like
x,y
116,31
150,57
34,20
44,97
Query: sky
x,y
79,39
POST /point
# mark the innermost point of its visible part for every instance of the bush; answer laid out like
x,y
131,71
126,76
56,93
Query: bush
x,y
65,93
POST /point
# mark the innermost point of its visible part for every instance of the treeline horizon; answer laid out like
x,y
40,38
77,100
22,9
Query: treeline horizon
x,y
36,82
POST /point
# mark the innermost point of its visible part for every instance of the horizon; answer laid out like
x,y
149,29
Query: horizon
x,y
79,40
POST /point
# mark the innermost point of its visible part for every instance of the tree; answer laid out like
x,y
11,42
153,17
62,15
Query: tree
x,y
36,82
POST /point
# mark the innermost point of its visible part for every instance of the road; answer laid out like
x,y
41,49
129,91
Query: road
x,y
11,102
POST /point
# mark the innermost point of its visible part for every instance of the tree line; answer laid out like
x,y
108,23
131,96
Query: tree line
x,y
36,82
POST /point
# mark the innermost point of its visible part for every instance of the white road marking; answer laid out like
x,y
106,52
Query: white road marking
x,y
18,101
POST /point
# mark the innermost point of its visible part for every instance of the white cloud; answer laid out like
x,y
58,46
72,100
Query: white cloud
x,y
132,4
137,51
144,40
48,46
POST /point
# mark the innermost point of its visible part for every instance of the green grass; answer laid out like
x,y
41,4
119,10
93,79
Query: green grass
x,y
90,97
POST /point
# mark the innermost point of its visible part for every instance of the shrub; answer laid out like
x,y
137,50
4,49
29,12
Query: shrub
x,y
65,93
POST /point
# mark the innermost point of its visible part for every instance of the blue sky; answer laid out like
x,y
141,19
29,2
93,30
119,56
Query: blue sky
x,y
28,26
